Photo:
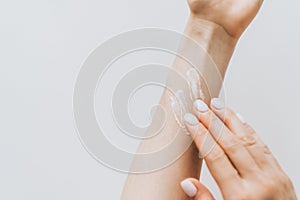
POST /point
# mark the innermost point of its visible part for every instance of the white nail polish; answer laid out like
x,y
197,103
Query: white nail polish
x,y
217,103
191,119
189,188
201,106
241,118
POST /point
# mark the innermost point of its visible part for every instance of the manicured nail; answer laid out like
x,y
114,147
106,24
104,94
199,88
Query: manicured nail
x,y
201,106
217,103
189,188
241,118
191,119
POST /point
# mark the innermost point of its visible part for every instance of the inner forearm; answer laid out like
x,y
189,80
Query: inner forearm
x,y
219,46
164,183
211,62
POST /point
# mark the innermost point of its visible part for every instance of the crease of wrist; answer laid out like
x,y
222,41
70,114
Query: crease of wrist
x,y
201,26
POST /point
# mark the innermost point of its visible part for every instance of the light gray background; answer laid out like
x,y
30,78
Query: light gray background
x,y
42,45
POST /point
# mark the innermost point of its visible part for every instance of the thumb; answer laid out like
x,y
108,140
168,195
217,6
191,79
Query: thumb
x,y
193,188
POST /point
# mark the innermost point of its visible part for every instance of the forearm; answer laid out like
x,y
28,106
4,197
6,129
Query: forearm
x,y
164,183
219,46
213,38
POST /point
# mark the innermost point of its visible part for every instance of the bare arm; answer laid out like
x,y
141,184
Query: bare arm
x,y
218,38
153,185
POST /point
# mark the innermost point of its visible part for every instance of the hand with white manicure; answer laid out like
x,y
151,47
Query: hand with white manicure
x,y
241,164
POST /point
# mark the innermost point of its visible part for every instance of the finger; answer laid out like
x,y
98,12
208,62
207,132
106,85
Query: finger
x,y
194,189
237,125
230,143
216,160
268,154
250,139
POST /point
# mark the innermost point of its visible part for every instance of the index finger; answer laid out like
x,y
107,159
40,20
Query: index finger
x,y
216,160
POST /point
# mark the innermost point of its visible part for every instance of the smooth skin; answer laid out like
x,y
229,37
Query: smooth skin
x,y
216,25
241,164
233,15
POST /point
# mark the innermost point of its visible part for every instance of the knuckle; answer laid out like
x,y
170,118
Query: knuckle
x,y
284,180
268,189
215,155
288,183
249,140
249,129
231,144
266,149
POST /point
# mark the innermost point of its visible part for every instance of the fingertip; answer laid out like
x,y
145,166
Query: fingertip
x,y
195,189
191,122
217,103
190,119
241,118
200,106
189,188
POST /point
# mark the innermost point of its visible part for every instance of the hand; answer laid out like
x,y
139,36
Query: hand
x,y
233,15
241,164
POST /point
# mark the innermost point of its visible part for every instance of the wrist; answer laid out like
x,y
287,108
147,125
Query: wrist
x,y
200,28
213,38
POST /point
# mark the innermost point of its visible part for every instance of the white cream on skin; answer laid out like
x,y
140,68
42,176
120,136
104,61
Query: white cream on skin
x,y
179,103
177,112
196,91
179,108
182,101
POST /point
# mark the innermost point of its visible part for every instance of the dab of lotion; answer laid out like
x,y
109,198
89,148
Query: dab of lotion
x,y
194,85
179,108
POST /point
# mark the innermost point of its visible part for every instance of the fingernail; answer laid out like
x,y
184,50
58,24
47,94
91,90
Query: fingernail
x,y
201,106
217,103
189,188
191,119
241,118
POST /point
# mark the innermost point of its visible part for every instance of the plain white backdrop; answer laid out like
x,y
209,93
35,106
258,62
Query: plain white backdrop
x,y
42,46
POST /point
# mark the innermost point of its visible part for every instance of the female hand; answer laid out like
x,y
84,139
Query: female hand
x,y
233,15
241,164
